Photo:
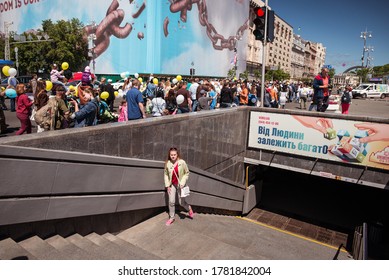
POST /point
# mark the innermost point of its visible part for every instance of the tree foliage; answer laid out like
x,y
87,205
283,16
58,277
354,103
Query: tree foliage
x,y
362,73
67,44
331,72
380,71
244,75
278,75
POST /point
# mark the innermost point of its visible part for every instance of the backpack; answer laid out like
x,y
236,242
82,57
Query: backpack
x,y
346,97
85,78
45,116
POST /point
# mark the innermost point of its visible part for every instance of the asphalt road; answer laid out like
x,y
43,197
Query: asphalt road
x,y
359,107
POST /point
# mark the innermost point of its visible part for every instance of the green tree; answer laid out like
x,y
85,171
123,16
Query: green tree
x,y
278,75
244,75
257,74
380,71
231,73
362,74
67,44
331,72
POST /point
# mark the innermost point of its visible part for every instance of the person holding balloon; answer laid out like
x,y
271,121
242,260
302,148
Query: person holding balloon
x,y
183,98
55,75
87,114
12,82
23,109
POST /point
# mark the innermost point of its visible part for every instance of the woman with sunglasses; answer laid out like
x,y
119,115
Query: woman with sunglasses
x,y
176,175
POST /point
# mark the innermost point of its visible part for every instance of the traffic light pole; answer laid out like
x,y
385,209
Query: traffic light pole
x,y
264,41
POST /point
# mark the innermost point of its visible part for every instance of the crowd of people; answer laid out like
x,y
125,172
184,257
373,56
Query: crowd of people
x,y
92,101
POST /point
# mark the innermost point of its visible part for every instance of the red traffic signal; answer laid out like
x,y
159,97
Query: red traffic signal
x,y
259,11
259,21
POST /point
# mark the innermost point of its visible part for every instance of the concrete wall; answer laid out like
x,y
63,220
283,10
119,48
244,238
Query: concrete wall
x,y
211,141
117,167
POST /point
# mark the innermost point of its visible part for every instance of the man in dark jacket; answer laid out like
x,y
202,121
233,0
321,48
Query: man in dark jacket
x,y
111,99
321,93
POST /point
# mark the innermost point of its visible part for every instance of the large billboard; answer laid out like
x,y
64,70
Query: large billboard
x,y
360,143
153,36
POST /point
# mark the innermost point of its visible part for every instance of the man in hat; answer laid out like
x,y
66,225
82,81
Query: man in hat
x,y
203,101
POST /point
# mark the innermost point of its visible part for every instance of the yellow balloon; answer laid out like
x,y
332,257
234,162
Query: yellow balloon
x,y
104,95
179,78
71,87
2,88
5,70
65,65
49,85
140,80
155,81
116,93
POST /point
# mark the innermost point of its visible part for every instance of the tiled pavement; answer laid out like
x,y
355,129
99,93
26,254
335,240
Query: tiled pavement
x,y
314,232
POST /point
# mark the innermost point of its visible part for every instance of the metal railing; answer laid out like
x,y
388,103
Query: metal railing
x,y
368,242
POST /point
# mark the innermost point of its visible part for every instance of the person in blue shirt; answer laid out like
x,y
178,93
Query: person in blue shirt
x,y
135,106
86,114
213,94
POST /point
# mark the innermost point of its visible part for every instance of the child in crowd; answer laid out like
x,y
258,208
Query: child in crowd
x,y
123,111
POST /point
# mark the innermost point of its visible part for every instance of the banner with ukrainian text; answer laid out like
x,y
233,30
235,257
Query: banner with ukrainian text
x,y
361,143
153,36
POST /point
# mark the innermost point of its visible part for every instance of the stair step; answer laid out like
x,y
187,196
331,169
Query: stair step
x,y
115,249
10,250
138,252
99,253
41,249
65,246
142,233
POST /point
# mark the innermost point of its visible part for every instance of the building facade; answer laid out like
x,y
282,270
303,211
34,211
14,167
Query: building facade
x,y
297,58
288,52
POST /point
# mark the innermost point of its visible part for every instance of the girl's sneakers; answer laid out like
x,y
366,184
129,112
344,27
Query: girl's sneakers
x,y
169,222
191,214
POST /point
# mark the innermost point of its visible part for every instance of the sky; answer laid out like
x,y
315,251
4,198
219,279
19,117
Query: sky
x,y
338,24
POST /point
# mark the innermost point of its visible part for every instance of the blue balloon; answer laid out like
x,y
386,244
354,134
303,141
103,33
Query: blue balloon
x,y
127,74
10,93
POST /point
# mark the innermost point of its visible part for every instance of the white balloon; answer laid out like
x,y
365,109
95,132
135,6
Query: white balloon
x,y
180,99
136,75
121,93
123,75
175,81
12,72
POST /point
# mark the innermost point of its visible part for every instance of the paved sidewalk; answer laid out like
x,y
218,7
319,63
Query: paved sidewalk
x,y
217,237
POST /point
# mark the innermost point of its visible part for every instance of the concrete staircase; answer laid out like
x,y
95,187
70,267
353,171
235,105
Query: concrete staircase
x,y
208,236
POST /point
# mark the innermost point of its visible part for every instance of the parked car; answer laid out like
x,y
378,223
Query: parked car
x,y
371,90
77,77
118,85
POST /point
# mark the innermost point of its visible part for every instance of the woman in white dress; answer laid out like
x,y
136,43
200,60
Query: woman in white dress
x,y
283,96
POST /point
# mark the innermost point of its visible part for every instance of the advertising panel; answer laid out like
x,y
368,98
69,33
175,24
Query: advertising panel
x,y
361,143
153,36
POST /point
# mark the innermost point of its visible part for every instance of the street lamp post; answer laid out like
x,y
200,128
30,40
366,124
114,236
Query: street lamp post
x,y
7,55
364,35
91,47
17,60
369,49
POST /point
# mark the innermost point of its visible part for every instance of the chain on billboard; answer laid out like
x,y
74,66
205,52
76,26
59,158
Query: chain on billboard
x,y
161,37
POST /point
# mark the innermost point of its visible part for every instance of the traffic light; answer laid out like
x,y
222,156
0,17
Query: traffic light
x,y
270,26
259,21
